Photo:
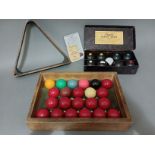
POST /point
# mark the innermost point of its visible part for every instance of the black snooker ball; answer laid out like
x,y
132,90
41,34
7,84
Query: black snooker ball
x,y
127,56
102,63
119,64
90,56
101,56
116,56
90,63
95,83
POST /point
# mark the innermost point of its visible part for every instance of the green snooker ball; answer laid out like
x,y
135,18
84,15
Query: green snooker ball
x,y
61,83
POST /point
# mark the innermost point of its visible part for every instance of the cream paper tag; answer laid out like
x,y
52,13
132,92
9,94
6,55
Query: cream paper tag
x,y
74,47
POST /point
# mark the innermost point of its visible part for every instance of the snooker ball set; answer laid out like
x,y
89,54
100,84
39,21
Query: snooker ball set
x,y
78,98
109,61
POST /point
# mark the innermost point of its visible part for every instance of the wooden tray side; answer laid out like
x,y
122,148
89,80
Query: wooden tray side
x,y
121,98
78,75
35,97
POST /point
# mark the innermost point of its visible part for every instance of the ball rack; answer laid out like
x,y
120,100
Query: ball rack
x,y
17,70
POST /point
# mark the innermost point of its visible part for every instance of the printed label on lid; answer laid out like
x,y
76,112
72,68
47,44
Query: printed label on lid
x,y
109,37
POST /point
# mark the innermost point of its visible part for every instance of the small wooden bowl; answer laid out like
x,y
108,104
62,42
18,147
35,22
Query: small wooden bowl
x,y
91,124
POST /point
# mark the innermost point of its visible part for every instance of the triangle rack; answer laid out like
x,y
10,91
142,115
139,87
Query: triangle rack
x,y
18,72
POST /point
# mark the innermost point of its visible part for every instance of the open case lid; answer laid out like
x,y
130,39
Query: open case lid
x,y
109,38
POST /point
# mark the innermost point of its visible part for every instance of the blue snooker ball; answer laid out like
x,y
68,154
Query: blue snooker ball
x,y
72,84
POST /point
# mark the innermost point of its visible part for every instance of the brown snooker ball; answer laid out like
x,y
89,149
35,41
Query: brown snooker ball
x,y
131,63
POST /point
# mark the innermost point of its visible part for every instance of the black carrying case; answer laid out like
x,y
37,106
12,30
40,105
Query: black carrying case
x,y
109,40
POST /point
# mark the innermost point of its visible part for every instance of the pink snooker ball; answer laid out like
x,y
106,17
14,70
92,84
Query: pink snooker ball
x,y
84,84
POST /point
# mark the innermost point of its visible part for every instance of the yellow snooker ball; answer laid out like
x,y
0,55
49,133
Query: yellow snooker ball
x,y
90,92
49,84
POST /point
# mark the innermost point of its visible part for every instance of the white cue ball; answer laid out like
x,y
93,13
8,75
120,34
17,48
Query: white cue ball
x,y
109,60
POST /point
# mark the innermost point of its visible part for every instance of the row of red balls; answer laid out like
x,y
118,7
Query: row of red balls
x,y
83,113
78,103
78,108
77,92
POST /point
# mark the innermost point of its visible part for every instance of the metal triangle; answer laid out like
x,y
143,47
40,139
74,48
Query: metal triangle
x,y
18,72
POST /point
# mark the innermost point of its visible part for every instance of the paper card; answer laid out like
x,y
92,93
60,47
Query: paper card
x,y
74,47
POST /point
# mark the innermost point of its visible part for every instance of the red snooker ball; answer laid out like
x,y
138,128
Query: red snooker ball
x,y
57,113
102,92
64,102
91,103
78,92
53,92
104,103
66,92
51,102
106,83
113,113
78,103
71,113
85,113
42,113
99,113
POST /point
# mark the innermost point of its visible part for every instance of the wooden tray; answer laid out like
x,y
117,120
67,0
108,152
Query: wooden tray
x,y
91,124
